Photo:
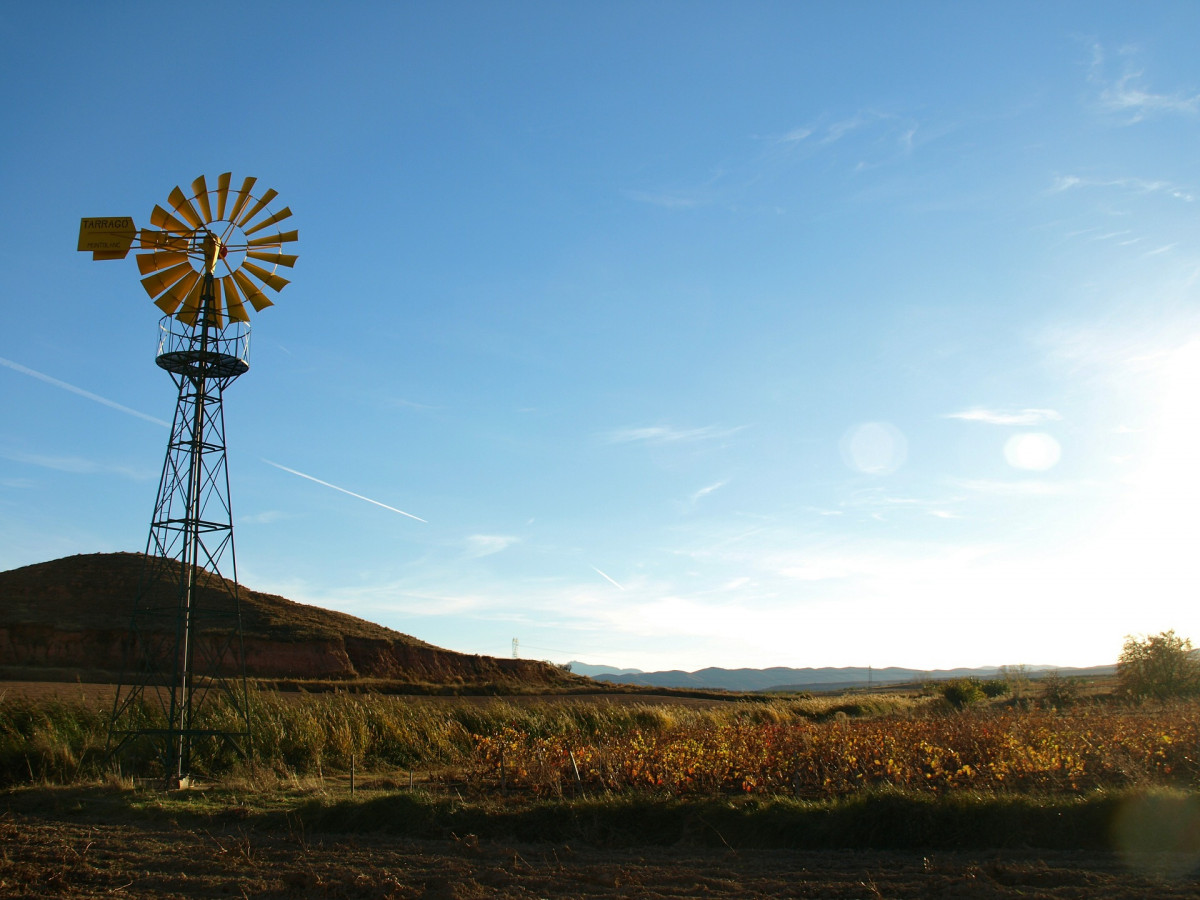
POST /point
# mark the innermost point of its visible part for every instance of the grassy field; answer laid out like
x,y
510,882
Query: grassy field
x,y
806,758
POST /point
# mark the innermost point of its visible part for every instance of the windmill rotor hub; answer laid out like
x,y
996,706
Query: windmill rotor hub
x,y
214,251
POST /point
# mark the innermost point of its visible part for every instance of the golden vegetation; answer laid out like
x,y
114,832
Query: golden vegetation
x,y
801,748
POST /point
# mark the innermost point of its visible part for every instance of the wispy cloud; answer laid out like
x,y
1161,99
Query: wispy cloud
x,y
881,136
1022,488
486,544
839,130
879,504
825,133
817,569
409,404
343,490
705,491
1130,185
667,434
76,465
95,398
666,199
1006,416
795,136
1126,94
263,518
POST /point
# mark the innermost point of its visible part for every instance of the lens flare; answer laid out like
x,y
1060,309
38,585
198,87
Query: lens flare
x,y
876,448
1035,451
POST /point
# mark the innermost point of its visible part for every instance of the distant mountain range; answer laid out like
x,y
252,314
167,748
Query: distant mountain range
x,y
807,679
582,668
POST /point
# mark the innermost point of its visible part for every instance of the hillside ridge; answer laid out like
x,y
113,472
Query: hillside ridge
x,y
74,614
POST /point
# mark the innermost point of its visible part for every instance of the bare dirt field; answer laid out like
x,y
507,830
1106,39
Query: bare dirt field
x,y
60,690
52,856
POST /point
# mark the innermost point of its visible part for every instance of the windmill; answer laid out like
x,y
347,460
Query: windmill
x,y
203,260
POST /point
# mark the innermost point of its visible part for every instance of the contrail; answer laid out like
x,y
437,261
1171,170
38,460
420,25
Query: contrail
x,y
351,493
17,367
609,579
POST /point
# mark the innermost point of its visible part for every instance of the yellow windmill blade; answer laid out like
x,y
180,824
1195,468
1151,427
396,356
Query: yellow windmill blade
x,y
222,192
266,198
243,197
274,240
183,205
170,301
191,304
153,262
160,218
160,281
278,259
275,282
150,239
278,217
233,301
257,298
200,190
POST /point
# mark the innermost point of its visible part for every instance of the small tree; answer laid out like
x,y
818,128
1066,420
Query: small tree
x,y
1058,691
1017,679
1158,667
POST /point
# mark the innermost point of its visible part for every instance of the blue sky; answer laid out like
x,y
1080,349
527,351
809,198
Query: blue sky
x,y
698,334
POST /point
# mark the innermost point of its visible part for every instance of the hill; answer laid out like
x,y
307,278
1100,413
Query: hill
x,y
780,678
590,670
70,617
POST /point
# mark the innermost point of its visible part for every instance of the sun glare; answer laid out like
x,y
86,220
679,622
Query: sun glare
x,y
1142,558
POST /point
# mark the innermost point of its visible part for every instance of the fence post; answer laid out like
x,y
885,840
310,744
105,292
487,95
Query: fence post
x,y
575,766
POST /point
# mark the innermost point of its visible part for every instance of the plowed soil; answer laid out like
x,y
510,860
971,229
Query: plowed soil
x,y
44,857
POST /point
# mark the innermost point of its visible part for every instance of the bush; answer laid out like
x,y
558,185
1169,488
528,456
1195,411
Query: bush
x,y
993,688
1059,691
1158,667
963,692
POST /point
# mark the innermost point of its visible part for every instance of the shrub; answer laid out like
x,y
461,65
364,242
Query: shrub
x,y
1059,691
963,692
1158,667
993,688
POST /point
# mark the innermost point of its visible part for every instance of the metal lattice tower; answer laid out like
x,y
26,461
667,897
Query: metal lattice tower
x,y
183,700
185,639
